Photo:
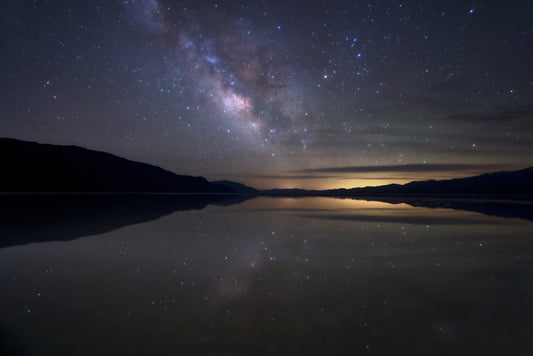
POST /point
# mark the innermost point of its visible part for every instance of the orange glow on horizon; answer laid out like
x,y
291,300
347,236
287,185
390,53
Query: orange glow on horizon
x,y
319,183
346,181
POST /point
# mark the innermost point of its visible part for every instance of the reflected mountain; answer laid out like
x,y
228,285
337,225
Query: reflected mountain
x,y
511,209
26,219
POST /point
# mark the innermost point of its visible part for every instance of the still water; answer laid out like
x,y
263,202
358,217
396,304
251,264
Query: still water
x,y
268,275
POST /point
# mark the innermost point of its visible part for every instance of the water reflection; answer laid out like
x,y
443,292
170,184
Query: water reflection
x,y
28,219
402,212
277,276
37,218
514,209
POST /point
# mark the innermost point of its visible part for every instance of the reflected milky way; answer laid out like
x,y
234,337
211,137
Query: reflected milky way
x,y
239,279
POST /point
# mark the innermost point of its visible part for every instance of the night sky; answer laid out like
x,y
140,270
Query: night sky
x,y
311,94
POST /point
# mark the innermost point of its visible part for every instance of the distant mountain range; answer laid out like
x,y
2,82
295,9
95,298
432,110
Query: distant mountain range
x,y
35,167
500,184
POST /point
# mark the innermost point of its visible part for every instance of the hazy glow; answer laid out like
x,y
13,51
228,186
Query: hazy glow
x,y
355,208
352,180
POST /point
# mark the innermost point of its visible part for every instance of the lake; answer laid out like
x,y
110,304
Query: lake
x,y
266,275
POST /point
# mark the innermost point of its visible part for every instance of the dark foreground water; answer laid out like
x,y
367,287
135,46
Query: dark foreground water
x,y
269,275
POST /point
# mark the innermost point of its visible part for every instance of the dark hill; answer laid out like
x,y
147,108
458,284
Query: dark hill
x,y
506,184
499,183
34,167
237,187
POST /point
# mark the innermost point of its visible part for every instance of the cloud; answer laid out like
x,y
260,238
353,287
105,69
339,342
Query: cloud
x,y
505,116
315,176
411,168
287,177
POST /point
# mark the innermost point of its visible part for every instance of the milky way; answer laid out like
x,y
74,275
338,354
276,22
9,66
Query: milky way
x,y
235,75
276,93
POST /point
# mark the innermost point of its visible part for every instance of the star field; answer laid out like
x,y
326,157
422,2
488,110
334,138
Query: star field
x,y
276,93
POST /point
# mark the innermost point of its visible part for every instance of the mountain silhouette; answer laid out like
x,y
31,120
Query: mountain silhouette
x,y
237,187
498,183
505,184
35,167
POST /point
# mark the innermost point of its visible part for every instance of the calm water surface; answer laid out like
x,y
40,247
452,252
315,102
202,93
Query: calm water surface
x,y
277,275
